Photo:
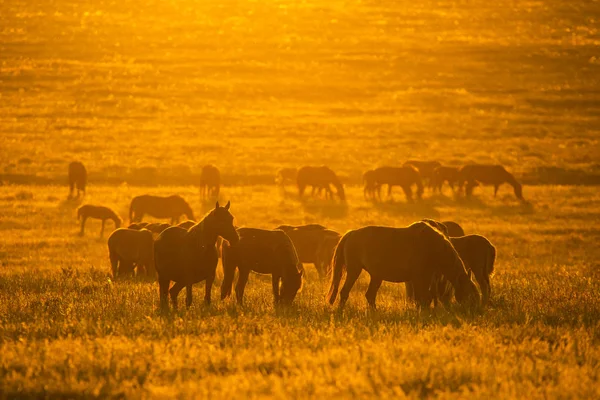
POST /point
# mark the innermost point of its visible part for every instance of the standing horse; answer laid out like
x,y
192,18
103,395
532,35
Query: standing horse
x,y
417,253
159,207
404,177
485,174
444,174
210,182
77,178
319,178
97,212
128,248
425,169
190,256
265,252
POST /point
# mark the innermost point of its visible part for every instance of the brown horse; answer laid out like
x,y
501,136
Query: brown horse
x,y
210,182
159,207
265,252
417,253
404,177
306,240
129,247
97,212
370,186
286,176
485,174
444,174
425,169
320,178
190,256
77,178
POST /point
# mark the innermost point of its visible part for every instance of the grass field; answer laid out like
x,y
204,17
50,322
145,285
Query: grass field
x,y
146,92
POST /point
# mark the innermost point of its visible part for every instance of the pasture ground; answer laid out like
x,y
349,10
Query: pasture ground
x,y
68,330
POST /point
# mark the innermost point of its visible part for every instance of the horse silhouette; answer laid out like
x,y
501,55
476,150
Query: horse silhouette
x,y
128,248
265,252
97,212
486,174
426,169
171,207
190,256
210,182
444,174
77,178
320,178
405,177
418,253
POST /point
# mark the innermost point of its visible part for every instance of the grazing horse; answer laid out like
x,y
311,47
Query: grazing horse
x,y
210,182
306,240
404,177
127,247
265,252
159,207
417,253
425,168
319,178
444,174
486,174
77,178
370,185
186,224
97,212
190,256
286,176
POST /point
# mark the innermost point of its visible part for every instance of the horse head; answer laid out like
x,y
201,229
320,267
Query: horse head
x,y
291,284
466,291
222,223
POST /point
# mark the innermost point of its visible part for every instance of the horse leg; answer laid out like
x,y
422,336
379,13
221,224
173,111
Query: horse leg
x,y
301,188
410,290
496,187
174,292
208,288
352,274
188,296
83,219
163,288
372,291
241,284
102,229
408,193
71,188
114,264
275,281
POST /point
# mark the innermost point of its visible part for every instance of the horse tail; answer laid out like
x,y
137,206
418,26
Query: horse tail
x,y
337,268
228,270
490,260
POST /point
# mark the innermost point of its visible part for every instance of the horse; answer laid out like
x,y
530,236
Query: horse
x,y
186,224
137,225
319,178
265,252
190,256
404,177
370,186
325,251
306,240
417,253
425,168
210,182
159,207
453,229
286,176
444,174
487,174
98,212
77,178
127,247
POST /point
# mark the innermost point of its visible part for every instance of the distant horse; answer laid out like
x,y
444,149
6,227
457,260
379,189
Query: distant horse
x,y
370,186
319,178
210,182
404,177
186,224
306,240
265,252
325,251
77,178
417,253
286,176
137,225
190,256
159,207
444,174
97,212
486,174
129,247
425,168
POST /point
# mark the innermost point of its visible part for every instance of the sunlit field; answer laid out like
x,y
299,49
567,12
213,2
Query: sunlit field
x,y
145,93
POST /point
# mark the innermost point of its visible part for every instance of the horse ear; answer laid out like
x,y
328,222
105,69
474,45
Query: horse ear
x,y
228,205
217,206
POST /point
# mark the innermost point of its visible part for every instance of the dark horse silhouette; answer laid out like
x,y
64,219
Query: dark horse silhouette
x,y
190,256
485,174
265,252
159,207
77,178
417,253
210,182
426,169
404,177
97,212
320,178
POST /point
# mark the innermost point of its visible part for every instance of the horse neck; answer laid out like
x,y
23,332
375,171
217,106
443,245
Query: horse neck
x,y
455,270
203,233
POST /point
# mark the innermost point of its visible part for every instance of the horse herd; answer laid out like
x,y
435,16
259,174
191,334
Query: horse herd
x,y
436,260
